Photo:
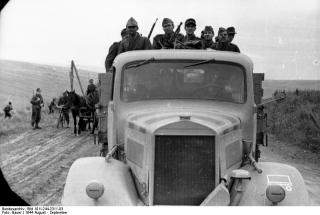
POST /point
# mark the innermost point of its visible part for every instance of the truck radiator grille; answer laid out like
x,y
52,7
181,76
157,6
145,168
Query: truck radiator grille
x,y
184,169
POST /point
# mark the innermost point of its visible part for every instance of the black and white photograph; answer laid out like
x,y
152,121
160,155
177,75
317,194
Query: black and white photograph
x,y
160,103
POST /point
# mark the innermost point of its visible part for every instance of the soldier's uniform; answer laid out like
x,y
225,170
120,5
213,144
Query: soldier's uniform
x,y
113,52
136,42
37,103
165,41
208,44
190,41
233,47
227,47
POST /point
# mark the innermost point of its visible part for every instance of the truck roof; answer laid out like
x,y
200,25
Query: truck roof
x,y
184,54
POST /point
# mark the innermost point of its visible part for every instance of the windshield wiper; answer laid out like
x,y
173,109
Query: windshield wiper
x,y
141,63
201,62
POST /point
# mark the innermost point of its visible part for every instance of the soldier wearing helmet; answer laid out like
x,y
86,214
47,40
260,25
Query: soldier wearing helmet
x,y
207,42
133,41
113,51
166,40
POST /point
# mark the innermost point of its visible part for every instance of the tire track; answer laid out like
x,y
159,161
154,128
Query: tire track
x,y
37,164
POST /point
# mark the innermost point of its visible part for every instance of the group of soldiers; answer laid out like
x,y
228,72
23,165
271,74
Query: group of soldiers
x,y
172,39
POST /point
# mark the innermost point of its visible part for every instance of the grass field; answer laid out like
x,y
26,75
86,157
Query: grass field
x,y
19,80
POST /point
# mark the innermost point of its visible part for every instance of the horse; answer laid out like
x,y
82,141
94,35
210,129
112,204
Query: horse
x,y
80,106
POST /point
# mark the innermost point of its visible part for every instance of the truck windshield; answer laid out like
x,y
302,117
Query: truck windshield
x,y
170,80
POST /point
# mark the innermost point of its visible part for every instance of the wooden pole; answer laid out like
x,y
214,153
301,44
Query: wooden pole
x,y
71,76
77,74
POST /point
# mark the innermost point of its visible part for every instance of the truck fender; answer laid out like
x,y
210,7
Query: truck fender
x,y
119,188
286,176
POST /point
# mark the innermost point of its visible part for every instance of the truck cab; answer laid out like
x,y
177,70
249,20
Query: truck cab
x,y
180,128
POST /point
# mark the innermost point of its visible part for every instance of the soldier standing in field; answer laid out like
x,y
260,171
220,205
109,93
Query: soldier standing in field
x,y
113,51
37,103
190,40
166,40
7,110
133,41
231,33
207,42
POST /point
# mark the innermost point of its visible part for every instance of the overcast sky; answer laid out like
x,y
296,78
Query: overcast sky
x,y
281,36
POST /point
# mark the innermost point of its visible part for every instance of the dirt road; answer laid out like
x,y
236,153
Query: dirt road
x,y
36,162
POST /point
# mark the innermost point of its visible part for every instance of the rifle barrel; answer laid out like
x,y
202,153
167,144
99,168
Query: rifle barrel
x,y
151,30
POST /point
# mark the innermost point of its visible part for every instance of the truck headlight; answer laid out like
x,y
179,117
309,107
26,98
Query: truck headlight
x,y
95,189
275,193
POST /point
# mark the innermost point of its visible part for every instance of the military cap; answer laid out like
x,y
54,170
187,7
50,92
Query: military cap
x,y
38,90
166,21
123,32
132,22
221,29
190,21
231,30
208,28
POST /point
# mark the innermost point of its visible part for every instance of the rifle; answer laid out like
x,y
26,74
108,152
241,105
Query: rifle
x,y
174,35
151,30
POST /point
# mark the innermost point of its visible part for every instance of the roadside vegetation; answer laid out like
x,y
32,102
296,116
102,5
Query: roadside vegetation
x,y
296,119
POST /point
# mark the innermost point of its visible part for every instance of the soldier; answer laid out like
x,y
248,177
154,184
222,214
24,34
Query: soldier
x,y
207,42
91,87
7,110
231,32
113,51
166,40
65,106
218,37
133,41
223,44
190,41
51,105
37,103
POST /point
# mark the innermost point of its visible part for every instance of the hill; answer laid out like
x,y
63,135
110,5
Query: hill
x,y
18,81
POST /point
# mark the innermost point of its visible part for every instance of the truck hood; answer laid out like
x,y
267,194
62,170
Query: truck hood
x,y
152,120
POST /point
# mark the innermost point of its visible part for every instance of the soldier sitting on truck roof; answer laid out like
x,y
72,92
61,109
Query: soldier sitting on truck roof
x,y
224,44
190,40
133,41
207,42
165,41
231,32
113,51
218,37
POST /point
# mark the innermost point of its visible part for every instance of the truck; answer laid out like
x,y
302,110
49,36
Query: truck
x,y
181,127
